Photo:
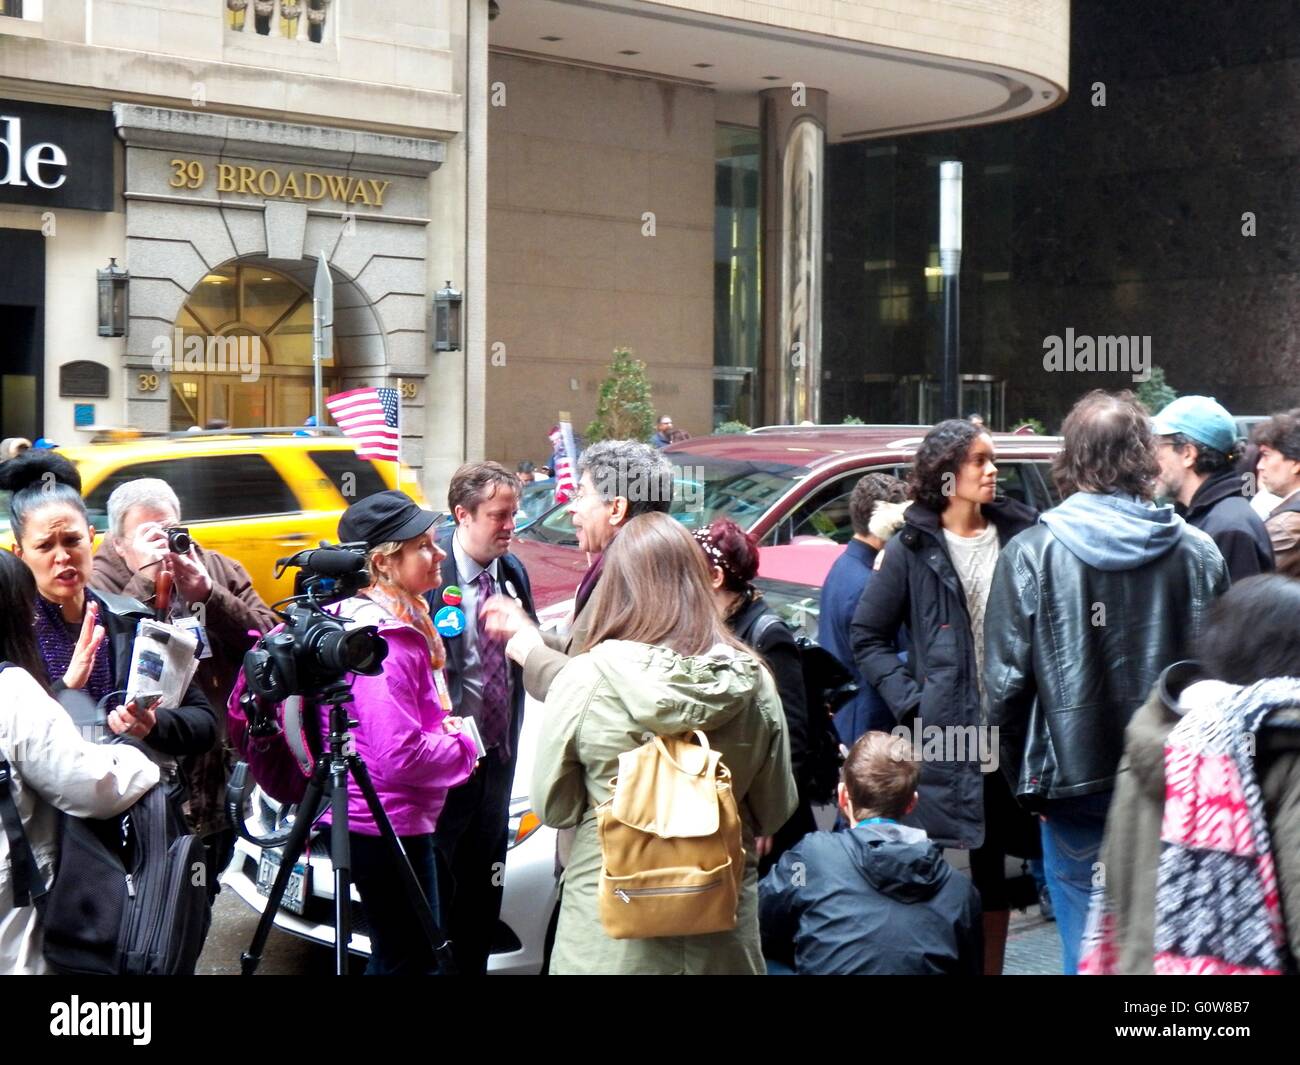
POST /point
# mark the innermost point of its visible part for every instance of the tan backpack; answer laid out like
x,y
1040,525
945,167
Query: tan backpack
x,y
672,858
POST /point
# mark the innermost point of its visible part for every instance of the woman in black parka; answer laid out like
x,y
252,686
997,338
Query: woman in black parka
x,y
935,579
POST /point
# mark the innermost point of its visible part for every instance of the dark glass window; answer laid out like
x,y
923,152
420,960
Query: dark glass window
x,y
210,488
737,313
335,465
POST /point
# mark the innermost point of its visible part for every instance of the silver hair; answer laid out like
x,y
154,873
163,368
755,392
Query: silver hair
x,y
639,473
144,491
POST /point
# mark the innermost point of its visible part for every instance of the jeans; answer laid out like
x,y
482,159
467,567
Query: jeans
x,y
1072,832
398,944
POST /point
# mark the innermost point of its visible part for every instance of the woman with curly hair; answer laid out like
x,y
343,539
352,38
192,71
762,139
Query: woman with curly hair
x,y
935,579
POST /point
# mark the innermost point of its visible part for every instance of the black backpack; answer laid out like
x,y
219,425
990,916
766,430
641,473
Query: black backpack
x,y
130,896
827,687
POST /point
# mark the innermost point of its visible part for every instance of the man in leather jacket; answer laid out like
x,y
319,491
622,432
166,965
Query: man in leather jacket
x,y
1095,601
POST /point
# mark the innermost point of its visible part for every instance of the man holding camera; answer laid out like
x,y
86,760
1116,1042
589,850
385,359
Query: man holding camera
x,y
471,834
142,545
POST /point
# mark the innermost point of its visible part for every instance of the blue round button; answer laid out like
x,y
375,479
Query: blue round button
x,y
449,621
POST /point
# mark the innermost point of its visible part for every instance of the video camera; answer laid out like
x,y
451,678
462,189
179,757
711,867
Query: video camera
x,y
314,650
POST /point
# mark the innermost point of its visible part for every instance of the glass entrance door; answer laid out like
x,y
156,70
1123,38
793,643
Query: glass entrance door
x,y
269,314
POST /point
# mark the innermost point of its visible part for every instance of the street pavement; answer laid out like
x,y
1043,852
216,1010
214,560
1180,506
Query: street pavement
x,y
1033,946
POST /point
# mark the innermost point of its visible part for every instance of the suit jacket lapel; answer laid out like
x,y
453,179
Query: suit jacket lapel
x,y
455,646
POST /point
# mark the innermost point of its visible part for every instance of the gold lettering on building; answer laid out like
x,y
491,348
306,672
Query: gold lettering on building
x,y
309,177
267,182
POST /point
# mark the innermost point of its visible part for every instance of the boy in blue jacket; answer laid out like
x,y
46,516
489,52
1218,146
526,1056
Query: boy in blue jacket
x,y
879,899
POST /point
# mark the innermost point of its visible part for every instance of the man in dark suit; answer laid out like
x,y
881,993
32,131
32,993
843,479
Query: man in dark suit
x,y
484,685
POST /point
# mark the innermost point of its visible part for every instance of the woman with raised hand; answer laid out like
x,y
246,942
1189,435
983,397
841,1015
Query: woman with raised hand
x,y
53,768
85,637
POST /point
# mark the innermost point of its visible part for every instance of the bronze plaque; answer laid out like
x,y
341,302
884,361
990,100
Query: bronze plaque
x,y
83,378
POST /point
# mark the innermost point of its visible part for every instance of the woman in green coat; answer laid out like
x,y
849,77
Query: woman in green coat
x,y
658,661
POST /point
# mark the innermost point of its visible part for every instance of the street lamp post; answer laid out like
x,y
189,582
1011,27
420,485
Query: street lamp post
x,y
950,268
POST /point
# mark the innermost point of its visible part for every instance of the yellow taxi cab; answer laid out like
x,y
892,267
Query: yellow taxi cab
x,y
254,495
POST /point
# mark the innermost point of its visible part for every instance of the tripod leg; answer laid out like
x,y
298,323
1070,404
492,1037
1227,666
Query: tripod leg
x,y
293,848
341,854
438,942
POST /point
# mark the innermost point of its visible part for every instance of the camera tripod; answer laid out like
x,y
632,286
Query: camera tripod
x,y
330,776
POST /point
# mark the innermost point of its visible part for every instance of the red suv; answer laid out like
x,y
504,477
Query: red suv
x,y
791,486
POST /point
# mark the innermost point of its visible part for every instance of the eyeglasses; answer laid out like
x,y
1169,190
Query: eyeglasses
x,y
582,494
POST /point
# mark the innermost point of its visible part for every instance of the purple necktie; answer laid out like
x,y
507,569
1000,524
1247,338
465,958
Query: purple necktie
x,y
494,691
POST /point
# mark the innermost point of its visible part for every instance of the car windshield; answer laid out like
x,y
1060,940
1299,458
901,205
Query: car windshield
x,y
704,489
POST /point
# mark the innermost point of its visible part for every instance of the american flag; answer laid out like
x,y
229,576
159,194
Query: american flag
x,y
566,485
369,416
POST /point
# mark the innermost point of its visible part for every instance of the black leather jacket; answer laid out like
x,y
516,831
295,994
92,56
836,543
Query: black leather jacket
x,y
1076,651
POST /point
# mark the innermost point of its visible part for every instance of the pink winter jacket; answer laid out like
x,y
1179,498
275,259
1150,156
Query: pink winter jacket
x,y
399,735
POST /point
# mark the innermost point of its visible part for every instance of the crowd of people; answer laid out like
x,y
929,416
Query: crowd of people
x,y
1088,659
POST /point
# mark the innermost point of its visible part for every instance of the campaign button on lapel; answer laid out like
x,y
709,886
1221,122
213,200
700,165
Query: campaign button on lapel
x,y
449,621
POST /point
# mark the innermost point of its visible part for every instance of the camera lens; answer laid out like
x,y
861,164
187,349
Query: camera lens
x,y
179,541
352,651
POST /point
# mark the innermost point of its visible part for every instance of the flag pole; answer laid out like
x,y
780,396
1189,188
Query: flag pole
x,y
317,353
322,306
399,432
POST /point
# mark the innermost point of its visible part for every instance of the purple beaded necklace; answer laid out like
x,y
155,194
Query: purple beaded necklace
x,y
57,646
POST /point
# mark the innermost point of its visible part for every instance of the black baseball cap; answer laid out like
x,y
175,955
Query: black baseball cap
x,y
383,517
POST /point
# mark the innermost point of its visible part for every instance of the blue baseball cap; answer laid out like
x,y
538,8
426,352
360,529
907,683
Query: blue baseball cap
x,y
1201,418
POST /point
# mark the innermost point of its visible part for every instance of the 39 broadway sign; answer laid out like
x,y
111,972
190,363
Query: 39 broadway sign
x,y
272,182
56,156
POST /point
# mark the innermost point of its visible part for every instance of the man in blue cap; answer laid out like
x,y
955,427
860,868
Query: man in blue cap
x,y
1196,443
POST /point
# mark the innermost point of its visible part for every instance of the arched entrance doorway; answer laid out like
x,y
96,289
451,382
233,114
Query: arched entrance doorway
x,y
260,374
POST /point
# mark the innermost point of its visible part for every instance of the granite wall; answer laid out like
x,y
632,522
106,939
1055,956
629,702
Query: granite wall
x,y
1162,200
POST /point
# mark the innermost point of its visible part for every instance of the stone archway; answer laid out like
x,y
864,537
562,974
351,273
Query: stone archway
x,y
175,238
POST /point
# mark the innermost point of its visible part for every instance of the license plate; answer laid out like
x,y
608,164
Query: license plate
x,y
295,892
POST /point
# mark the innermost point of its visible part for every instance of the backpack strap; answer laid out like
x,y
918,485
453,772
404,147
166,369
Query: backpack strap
x,y
26,873
765,621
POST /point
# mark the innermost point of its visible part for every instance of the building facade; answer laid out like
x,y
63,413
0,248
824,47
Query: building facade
x,y
657,180
649,174
1150,219
214,149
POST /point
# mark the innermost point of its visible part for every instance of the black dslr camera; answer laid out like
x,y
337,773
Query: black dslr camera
x,y
179,540
314,650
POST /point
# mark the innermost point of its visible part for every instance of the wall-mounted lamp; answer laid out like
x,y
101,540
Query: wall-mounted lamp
x,y
113,306
446,319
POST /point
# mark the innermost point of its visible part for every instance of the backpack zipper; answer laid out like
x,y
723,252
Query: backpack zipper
x,y
626,894
178,865
140,925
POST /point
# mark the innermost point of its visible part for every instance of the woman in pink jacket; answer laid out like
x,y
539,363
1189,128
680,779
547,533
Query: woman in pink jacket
x,y
415,751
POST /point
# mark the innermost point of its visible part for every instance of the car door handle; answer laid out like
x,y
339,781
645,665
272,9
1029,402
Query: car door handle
x,y
292,539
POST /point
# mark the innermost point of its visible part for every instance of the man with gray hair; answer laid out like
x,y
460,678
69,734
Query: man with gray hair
x,y
617,481
214,591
